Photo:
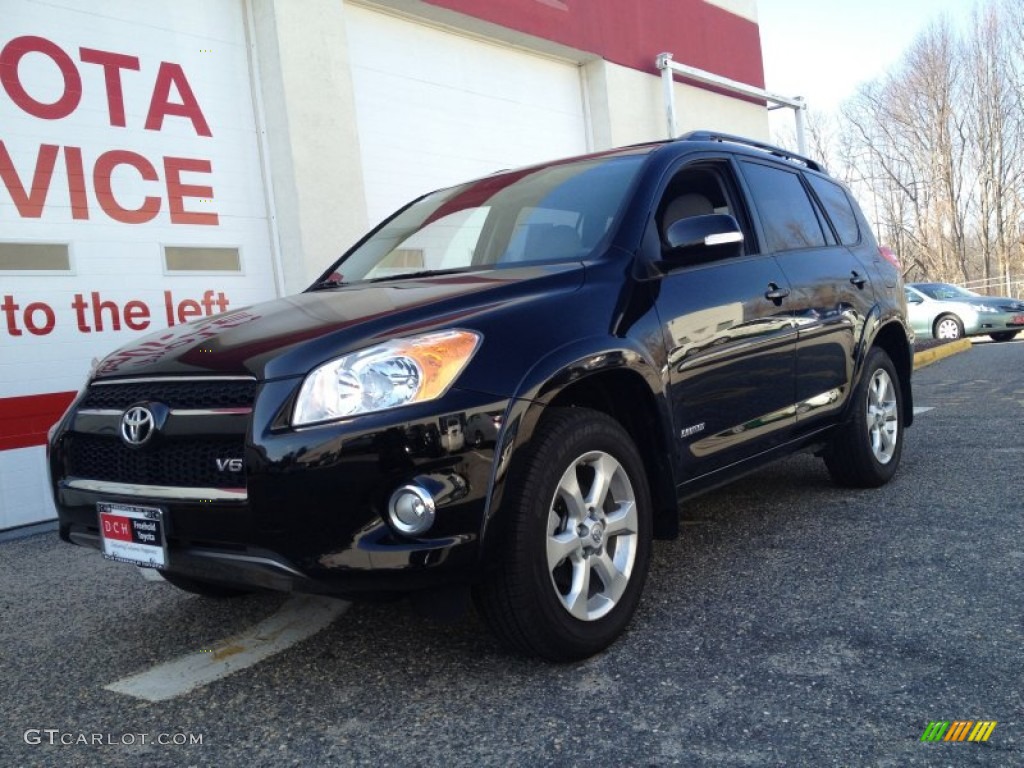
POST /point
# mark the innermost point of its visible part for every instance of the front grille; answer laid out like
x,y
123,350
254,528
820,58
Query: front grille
x,y
179,395
189,463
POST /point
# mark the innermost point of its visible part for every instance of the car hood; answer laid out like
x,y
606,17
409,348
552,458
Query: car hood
x,y
290,336
999,302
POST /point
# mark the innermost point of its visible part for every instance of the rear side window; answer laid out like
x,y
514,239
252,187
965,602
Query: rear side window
x,y
838,207
786,212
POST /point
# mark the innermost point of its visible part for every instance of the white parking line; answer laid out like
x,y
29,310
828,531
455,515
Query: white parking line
x,y
923,409
299,618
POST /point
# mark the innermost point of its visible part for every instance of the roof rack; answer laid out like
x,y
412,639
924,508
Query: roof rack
x,y
769,148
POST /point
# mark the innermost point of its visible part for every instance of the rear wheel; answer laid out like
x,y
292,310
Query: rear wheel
x,y
866,451
948,327
1002,335
579,542
204,588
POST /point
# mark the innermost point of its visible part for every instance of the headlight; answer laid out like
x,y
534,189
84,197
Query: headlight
x,y
396,373
985,308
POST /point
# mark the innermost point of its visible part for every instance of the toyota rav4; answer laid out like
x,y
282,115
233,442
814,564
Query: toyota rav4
x,y
506,390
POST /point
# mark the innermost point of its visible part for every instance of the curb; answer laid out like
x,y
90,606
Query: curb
x,y
24,531
929,356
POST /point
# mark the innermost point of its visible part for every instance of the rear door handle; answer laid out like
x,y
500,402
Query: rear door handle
x,y
858,280
776,294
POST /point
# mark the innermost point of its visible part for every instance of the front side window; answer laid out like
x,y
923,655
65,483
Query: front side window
x,y
700,189
912,296
786,212
694,191
941,291
555,213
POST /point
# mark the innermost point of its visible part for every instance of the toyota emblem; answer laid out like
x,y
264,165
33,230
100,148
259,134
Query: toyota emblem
x,y
137,425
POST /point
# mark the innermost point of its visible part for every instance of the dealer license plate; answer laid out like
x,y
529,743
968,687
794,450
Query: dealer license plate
x,y
1017,320
133,534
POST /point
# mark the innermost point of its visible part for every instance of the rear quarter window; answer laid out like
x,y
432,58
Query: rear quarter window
x,y
838,207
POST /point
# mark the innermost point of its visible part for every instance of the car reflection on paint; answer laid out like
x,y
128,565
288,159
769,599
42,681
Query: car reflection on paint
x,y
944,311
482,428
762,326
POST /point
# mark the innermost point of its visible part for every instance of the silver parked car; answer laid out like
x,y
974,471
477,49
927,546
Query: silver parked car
x,y
944,311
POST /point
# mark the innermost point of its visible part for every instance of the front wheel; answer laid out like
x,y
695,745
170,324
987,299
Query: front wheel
x,y
866,450
948,327
579,540
1002,335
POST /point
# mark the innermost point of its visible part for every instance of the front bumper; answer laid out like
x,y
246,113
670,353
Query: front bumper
x,y
994,322
1002,323
311,514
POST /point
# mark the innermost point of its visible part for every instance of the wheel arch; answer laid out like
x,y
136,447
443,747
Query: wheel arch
x,y
623,395
893,338
616,380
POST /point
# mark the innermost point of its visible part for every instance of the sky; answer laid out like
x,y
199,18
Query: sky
x,y
823,49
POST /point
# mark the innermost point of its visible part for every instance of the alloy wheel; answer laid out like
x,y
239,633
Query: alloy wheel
x,y
882,416
592,535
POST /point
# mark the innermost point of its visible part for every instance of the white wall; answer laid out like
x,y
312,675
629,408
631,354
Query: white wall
x,y
309,113
628,107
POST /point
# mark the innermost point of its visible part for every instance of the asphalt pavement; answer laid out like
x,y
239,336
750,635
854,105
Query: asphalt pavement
x,y
793,624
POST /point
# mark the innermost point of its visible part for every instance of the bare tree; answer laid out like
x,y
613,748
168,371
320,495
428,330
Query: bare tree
x,y
934,149
997,148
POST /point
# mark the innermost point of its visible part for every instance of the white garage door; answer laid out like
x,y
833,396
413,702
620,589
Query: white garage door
x,y
435,108
131,199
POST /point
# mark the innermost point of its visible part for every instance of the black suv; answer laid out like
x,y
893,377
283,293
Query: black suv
x,y
508,386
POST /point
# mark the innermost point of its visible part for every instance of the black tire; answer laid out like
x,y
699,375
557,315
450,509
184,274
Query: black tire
x,y
526,601
1002,335
204,588
950,325
865,451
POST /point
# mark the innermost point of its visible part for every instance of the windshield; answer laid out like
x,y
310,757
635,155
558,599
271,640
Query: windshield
x,y
555,213
944,291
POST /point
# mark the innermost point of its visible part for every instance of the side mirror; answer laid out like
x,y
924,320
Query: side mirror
x,y
913,298
716,235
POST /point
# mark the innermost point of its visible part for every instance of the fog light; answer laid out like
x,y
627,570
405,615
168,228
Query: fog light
x,y
411,510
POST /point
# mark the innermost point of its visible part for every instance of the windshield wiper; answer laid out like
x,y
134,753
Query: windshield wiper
x,y
421,273
331,282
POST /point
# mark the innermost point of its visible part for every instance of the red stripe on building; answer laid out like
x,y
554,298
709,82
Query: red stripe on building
x,y
633,32
24,421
